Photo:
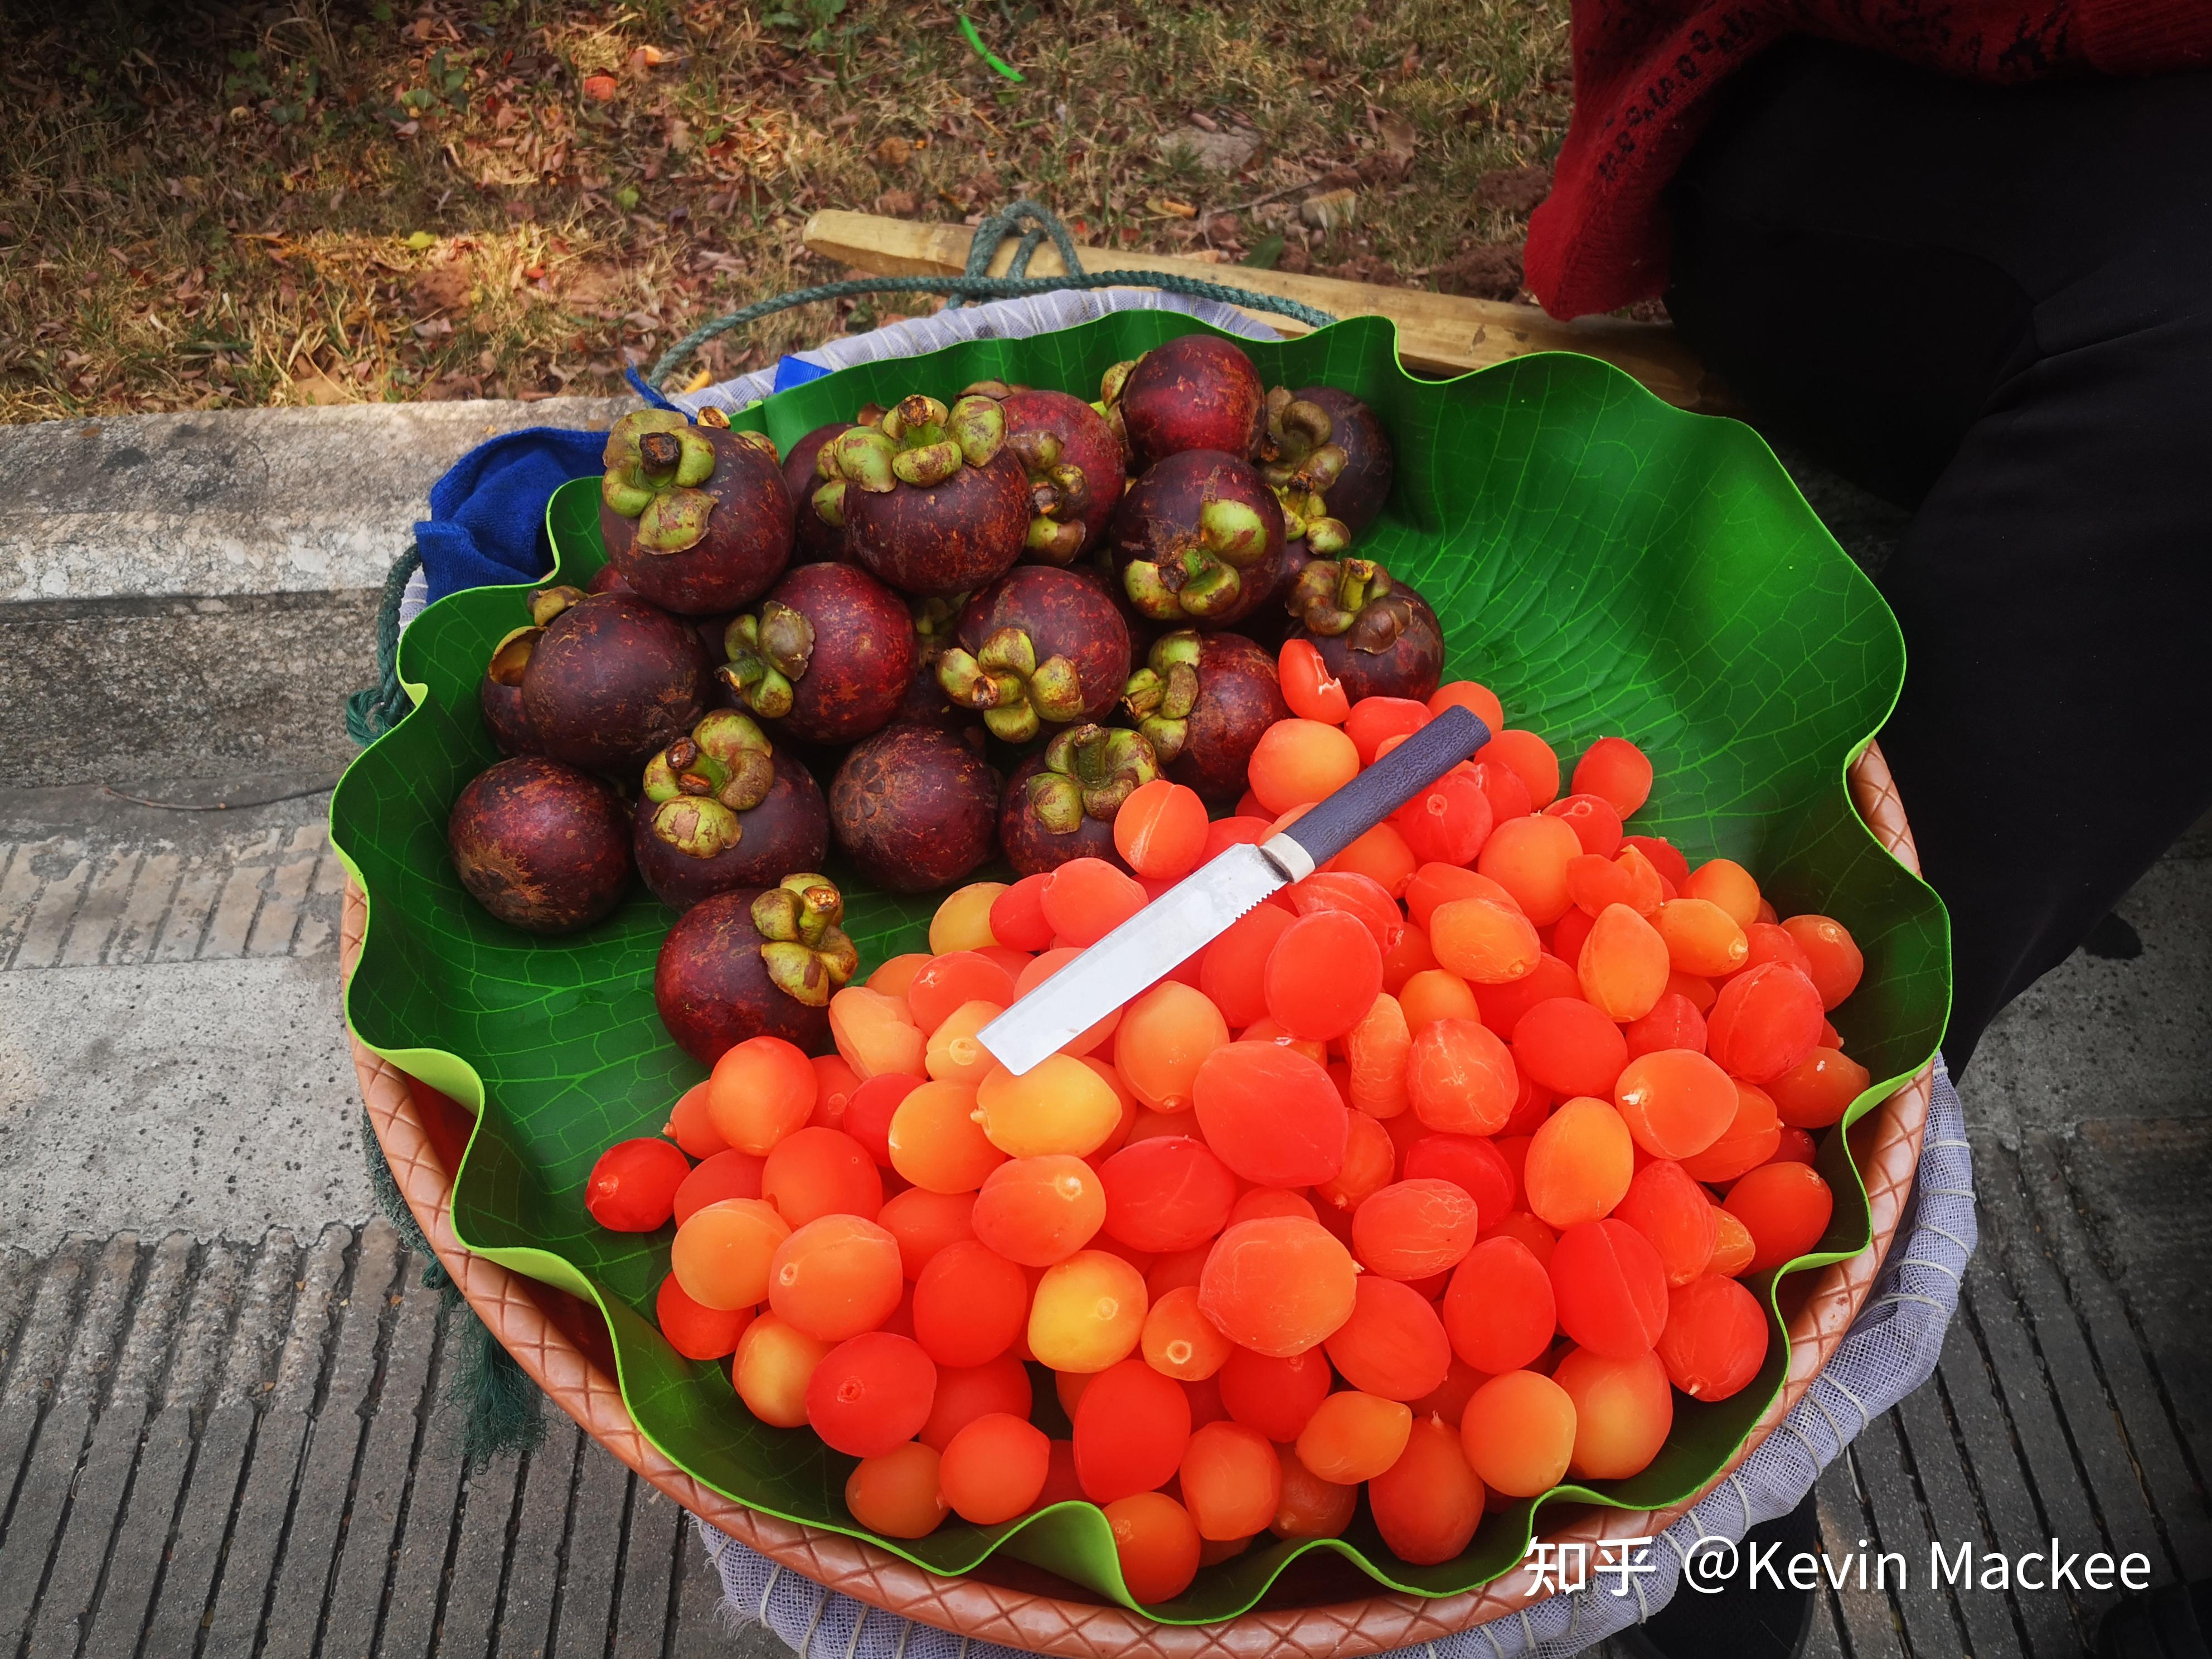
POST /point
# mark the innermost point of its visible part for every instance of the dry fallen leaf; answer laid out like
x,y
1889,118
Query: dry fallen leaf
x,y
893,152
1168,208
600,86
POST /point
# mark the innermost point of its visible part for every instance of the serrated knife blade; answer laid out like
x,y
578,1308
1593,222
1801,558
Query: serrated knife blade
x,y
1143,949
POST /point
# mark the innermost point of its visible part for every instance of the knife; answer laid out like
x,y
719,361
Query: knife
x,y
1199,908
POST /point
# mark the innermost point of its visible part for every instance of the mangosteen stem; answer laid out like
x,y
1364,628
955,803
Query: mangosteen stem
x,y
659,454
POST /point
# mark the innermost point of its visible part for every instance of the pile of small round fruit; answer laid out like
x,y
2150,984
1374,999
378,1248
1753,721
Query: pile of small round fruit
x,y
985,623
1432,1177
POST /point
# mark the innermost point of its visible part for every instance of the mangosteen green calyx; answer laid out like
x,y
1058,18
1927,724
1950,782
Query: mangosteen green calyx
x,y
1198,540
540,845
1377,634
716,985
931,501
1362,485
1040,646
1297,455
1060,802
722,809
1073,461
696,518
499,693
828,656
610,679
1204,701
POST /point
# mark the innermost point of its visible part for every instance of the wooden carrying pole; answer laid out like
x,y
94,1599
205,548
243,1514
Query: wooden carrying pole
x,y
1437,333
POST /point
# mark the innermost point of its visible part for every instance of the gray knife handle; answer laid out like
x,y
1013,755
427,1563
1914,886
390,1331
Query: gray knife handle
x,y
1342,818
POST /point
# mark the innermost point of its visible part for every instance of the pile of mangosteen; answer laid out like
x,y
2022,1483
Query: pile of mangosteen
x,y
984,623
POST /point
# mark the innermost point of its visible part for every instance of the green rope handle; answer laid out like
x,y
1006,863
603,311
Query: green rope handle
x,y
374,710
972,284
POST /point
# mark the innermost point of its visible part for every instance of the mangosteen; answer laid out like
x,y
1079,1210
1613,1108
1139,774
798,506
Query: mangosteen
x,y
815,538
1060,802
695,518
608,579
828,656
1196,391
1362,485
914,807
540,845
723,809
1295,455
1376,634
612,679
1198,540
499,693
1040,646
1073,461
931,501
1203,701
755,963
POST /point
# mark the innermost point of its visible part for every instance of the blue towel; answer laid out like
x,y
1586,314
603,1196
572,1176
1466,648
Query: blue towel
x,y
487,520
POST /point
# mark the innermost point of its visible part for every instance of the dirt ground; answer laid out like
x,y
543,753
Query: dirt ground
x,y
208,206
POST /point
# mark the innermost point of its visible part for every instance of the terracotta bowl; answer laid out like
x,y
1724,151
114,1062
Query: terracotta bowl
x,y
563,1344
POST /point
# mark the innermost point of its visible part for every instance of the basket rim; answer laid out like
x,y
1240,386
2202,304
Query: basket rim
x,y
1886,1144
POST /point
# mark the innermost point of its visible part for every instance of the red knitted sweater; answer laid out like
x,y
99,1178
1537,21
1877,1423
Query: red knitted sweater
x,y
1645,71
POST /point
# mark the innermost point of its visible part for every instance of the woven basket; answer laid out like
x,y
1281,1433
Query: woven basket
x,y
563,1344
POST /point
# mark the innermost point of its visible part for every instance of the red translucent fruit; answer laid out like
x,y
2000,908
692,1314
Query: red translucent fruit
x,y
1231,1483
693,1329
1414,1229
945,983
1375,720
1169,1193
1017,917
922,1222
1579,1163
1231,974
1160,830
1271,1113
1086,899
632,1189
1673,1023
1593,819
1278,1285
814,1172
1623,878
868,1113
969,1305
1503,1007
1818,1089
1472,1163
1508,796
1500,1311
965,1395
1131,1426
1477,699
1393,1346
1623,1410
870,1392
1277,1397
1570,1046
1427,1504
1833,954
691,1126
1618,770
1665,857
1519,1432
1356,895
994,1468
1528,858
1673,1212
730,1174
1531,759
1716,1337
1447,823
897,1493
1765,1021
1370,1159
1610,1288
1460,1078
1748,1141
1323,973
1786,1207
1313,693
1675,1102
1157,1543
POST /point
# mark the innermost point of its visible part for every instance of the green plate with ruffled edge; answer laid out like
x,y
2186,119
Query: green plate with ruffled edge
x,y
1608,564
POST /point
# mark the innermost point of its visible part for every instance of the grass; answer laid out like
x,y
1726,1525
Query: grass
x,y
316,202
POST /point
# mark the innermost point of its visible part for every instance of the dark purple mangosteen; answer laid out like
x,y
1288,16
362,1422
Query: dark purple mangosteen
x,y
1073,461
1377,634
1198,540
1039,647
540,845
723,809
828,656
611,680
931,501
1061,802
695,518
1362,485
1194,391
499,693
755,963
914,807
1295,456
1204,700
815,538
